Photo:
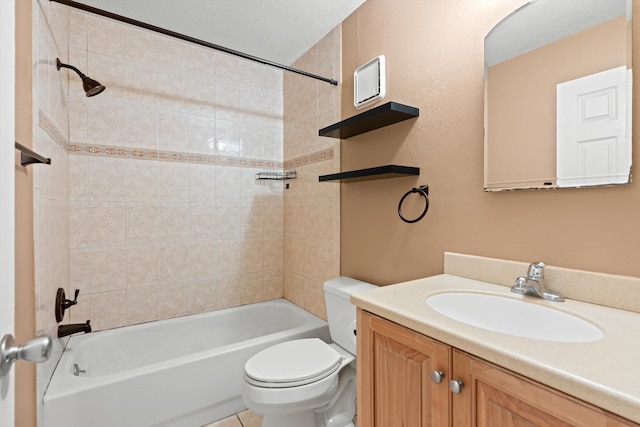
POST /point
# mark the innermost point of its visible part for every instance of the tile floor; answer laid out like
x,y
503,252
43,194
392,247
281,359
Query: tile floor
x,y
242,419
246,419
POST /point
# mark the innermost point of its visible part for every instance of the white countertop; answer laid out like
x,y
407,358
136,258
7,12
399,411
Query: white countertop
x,y
605,373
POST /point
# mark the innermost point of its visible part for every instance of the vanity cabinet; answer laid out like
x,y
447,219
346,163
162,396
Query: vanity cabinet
x,y
398,373
394,367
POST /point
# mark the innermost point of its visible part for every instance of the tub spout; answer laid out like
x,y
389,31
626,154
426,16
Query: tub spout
x,y
64,330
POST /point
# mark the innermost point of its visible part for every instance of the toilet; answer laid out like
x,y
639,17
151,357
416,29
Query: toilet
x,y
307,382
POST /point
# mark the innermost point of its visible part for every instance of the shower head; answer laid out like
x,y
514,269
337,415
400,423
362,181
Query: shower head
x,y
91,87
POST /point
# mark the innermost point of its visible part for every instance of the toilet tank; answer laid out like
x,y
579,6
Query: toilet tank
x,y
341,314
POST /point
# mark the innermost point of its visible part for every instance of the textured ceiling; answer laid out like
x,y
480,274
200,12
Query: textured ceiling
x,y
276,30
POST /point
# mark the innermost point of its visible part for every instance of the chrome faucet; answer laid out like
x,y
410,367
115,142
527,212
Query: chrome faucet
x,y
533,284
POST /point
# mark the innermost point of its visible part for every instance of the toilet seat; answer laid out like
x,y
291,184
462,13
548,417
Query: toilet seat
x,y
292,363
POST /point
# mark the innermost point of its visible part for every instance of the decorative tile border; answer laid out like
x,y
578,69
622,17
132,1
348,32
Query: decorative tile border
x,y
50,129
169,156
174,156
307,159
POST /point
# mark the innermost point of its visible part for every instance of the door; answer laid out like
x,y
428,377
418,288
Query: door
x,y
593,132
7,137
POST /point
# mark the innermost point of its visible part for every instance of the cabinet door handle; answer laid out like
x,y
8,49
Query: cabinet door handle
x,y
437,376
456,386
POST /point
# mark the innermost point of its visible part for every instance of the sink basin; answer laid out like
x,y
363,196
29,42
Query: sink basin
x,y
513,317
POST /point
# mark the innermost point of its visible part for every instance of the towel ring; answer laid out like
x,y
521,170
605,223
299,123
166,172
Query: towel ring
x,y
424,191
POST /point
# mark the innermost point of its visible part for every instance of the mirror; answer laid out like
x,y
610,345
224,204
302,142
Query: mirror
x,y
558,96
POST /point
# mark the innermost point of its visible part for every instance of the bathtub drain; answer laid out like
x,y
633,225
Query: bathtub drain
x,y
77,371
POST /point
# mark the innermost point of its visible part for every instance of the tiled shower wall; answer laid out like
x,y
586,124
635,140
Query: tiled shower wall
x,y
150,206
312,209
165,215
51,182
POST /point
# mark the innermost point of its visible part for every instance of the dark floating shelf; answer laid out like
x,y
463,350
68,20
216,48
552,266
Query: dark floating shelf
x,y
376,118
379,172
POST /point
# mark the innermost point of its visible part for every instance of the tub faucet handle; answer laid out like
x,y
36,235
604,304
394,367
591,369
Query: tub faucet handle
x,y
68,303
62,303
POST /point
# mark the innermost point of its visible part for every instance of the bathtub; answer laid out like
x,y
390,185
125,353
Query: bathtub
x,y
178,372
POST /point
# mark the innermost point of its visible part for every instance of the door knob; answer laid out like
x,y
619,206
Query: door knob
x,y
36,350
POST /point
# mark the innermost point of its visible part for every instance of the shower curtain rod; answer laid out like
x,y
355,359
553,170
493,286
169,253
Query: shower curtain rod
x,y
170,33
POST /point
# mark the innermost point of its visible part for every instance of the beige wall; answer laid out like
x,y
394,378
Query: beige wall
x,y
312,209
166,218
434,53
25,328
522,101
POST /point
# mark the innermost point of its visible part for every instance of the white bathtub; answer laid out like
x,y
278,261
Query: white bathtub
x,y
178,372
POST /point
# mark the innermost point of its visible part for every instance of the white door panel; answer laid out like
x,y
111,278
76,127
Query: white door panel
x,y
7,191
593,119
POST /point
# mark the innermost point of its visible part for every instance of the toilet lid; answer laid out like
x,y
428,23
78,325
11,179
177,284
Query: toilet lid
x,y
293,363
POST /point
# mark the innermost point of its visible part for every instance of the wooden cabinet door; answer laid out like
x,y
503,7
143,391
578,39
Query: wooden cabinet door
x,y
394,384
494,397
